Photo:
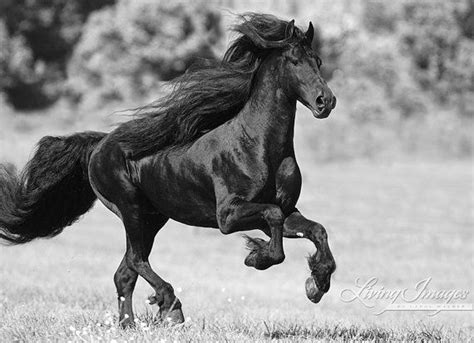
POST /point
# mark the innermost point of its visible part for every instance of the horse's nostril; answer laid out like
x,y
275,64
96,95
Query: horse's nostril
x,y
320,102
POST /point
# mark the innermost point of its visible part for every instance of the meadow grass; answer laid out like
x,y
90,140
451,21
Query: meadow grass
x,y
399,222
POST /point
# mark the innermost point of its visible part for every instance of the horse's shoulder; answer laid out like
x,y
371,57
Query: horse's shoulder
x,y
288,183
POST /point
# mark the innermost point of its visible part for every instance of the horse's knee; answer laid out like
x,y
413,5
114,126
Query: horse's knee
x,y
225,220
274,215
225,229
232,218
122,279
135,263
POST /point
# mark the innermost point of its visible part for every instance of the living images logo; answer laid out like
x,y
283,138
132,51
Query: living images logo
x,y
422,297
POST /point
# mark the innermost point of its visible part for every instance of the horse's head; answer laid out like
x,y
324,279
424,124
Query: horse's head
x,y
291,55
303,75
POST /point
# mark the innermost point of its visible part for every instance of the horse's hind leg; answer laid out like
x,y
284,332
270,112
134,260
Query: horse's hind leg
x,y
125,279
142,224
112,183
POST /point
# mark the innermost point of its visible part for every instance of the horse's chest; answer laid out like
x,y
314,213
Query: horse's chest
x,y
287,184
254,180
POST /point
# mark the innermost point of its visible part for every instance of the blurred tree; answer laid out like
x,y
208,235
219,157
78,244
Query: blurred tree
x,y
438,38
127,49
367,76
466,20
329,48
379,16
39,38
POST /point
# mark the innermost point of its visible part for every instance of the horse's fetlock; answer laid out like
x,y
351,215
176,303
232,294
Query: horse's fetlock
x,y
167,289
318,232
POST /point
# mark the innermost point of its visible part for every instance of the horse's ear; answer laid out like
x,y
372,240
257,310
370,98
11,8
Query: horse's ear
x,y
290,29
310,33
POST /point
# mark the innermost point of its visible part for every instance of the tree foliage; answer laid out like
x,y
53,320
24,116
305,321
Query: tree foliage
x,y
439,39
127,49
379,16
38,39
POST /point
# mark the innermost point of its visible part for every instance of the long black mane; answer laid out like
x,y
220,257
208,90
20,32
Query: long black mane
x,y
208,94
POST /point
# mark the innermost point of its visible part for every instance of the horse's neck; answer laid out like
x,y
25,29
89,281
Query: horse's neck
x,y
269,116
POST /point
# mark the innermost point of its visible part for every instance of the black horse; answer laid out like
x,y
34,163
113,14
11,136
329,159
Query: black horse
x,y
217,152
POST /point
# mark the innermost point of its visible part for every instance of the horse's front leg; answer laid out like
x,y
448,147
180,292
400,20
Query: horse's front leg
x,y
322,263
235,215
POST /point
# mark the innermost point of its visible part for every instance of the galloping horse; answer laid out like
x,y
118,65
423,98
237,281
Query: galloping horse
x,y
217,152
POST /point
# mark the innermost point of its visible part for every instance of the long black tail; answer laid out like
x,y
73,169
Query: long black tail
x,y
52,192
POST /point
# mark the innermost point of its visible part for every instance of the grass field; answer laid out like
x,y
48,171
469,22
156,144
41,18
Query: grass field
x,y
399,222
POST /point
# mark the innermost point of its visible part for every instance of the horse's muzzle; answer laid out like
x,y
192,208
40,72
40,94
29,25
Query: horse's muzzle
x,y
323,107
321,114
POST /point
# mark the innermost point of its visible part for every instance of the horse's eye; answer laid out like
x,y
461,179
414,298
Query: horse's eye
x,y
319,62
293,60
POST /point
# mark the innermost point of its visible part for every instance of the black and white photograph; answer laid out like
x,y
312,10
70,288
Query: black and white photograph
x,y
236,171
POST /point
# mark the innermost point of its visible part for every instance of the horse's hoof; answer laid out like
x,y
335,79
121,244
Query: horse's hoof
x,y
251,260
173,317
312,291
258,261
126,323
261,257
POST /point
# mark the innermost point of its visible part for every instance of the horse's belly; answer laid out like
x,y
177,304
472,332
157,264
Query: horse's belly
x,y
195,211
186,196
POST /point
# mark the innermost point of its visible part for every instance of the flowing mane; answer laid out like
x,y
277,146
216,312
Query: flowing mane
x,y
209,94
